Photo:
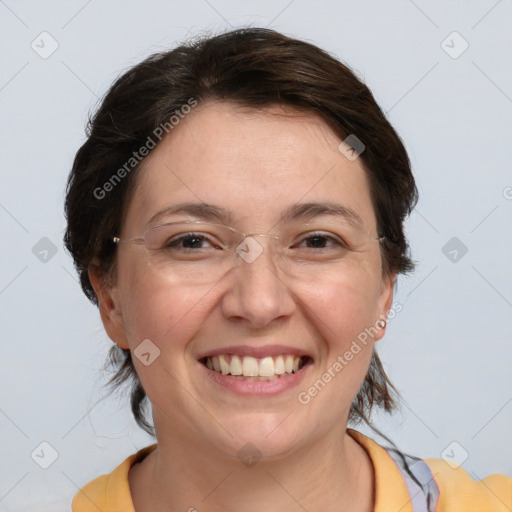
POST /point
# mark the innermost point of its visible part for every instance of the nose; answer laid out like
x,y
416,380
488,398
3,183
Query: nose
x,y
258,293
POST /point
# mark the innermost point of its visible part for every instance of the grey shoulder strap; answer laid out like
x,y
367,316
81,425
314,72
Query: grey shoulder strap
x,y
424,497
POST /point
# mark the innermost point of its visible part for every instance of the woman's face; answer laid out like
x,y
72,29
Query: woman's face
x,y
255,165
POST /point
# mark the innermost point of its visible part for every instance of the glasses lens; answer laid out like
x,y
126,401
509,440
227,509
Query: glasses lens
x,y
189,249
197,251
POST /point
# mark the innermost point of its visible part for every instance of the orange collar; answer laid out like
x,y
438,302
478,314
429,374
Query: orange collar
x,y
390,490
111,493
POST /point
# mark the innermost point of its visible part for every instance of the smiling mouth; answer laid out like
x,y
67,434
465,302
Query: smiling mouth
x,y
256,369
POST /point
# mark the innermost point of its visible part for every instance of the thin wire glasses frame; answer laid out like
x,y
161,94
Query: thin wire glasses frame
x,y
143,240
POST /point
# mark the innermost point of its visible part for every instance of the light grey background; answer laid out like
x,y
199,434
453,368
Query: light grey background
x,y
449,351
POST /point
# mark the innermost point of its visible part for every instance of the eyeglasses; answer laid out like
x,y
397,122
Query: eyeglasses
x,y
202,252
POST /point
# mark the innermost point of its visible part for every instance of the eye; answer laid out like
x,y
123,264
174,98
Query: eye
x,y
189,241
321,241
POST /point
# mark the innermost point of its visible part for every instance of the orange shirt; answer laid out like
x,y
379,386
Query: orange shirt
x,y
458,492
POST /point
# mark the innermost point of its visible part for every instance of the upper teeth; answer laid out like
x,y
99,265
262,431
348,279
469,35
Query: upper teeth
x,y
252,367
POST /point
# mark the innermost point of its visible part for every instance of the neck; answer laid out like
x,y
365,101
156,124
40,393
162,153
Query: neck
x,y
334,473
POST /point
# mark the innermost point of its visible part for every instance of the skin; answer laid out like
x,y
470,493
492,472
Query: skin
x,y
256,164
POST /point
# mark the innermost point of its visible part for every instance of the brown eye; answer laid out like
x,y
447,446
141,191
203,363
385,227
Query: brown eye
x,y
188,241
321,241
317,241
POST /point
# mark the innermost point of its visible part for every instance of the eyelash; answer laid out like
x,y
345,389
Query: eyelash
x,y
326,237
183,238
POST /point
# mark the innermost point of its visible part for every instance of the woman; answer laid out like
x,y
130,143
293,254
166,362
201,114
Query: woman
x,y
237,215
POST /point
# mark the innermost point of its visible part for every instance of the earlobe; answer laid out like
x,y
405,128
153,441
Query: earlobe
x,y
385,304
109,307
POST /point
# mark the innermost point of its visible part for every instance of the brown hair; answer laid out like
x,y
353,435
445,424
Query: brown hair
x,y
254,67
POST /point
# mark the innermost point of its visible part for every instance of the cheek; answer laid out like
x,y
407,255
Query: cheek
x,y
167,314
343,313
342,307
156,308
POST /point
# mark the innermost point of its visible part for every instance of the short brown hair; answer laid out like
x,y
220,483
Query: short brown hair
x,y
254,67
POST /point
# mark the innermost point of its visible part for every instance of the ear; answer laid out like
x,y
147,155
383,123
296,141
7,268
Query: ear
x,y
385,302
109,306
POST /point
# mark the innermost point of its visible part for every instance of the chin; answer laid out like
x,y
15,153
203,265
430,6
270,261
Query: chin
x,y
267,435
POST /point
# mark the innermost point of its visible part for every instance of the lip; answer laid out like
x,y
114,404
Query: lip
x,y
258,352
257,388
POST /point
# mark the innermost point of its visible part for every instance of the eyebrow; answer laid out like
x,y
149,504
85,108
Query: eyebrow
x,y
308,211
203,211
301,211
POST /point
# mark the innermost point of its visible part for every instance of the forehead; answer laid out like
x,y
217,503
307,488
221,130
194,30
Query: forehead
x,y
256,163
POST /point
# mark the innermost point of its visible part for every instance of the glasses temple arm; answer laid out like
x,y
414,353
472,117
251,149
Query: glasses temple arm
x,y
137,241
